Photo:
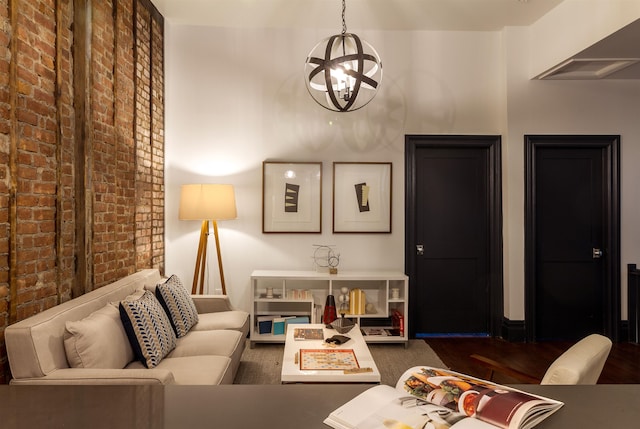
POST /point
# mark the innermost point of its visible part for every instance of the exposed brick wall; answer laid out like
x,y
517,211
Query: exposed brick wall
x,y
157,142
149,68
81,149
65,151
5,130
143,136
125,140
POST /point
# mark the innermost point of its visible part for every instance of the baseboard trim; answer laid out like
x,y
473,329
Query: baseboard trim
x,y
513,330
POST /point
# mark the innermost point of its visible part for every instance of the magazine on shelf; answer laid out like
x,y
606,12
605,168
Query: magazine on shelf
x,y
433,398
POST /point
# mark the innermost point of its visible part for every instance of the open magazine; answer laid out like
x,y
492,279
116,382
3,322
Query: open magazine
x,y
432,398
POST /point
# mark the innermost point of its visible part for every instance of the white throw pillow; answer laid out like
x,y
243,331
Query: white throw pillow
x,y
98,341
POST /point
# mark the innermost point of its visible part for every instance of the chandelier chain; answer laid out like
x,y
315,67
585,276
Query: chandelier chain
x,y
344,22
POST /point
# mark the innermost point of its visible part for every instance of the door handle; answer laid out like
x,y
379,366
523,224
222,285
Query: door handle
x,y
419,249
596,253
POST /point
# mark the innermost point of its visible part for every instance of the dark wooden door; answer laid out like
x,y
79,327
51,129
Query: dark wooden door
x,y
572,225
452,221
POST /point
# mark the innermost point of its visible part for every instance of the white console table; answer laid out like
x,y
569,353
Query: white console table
x,y
304,293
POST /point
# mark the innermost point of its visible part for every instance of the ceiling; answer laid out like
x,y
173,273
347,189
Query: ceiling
x,y
458,15
595,62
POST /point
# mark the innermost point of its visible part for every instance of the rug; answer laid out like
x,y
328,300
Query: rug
x,y
262,363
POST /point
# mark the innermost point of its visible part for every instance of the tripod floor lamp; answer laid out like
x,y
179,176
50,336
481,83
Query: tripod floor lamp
x,y
206,202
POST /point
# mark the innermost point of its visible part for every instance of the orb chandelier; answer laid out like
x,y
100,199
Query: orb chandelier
x,y
343,72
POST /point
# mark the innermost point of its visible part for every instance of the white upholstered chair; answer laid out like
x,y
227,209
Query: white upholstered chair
x,y
582,363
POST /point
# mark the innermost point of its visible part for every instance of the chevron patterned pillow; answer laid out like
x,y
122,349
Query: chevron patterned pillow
x,y
178,304
148,329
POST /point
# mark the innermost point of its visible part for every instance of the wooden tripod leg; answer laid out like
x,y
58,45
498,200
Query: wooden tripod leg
x,y
215,232
201,257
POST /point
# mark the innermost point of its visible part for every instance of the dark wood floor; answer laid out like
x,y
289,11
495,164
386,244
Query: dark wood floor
x,y
623,363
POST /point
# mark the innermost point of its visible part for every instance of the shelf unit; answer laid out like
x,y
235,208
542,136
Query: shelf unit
x,y
304,293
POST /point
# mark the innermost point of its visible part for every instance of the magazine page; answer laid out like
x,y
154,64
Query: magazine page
x,y
492,403
383,407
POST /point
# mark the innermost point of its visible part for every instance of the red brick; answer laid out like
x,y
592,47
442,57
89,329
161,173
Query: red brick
x,y
124,176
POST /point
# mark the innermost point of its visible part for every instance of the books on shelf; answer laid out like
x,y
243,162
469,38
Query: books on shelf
x,y
380,332
279,325
265,324
295,321
426,397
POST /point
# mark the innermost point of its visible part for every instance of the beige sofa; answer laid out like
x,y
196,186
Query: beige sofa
x,y
208,354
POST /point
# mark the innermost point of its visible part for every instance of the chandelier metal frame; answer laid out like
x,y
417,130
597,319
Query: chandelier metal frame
x,y
335,82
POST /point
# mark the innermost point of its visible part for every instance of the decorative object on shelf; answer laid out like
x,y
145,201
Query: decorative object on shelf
x,y
329,310
362,197
395,293
357,301
326,259
343,72
206,202
370,308
291,197
343,299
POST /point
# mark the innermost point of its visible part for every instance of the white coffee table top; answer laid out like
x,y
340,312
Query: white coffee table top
x,y
291,372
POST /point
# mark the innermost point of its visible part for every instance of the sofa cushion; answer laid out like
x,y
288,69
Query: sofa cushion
x,y
228,343
196,370
98,341
151,286
177,302
148,329
234,319
200,343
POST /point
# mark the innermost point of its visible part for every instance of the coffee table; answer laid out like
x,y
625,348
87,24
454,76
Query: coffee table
x,y
291,372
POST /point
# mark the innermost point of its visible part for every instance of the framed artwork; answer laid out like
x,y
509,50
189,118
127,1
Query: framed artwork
x,y
362,197
291,197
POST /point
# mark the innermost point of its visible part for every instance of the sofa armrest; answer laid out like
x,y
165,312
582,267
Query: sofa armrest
x,y
212,303
101,376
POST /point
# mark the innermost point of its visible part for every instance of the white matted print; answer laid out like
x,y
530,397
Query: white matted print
x,y
291,197
362,197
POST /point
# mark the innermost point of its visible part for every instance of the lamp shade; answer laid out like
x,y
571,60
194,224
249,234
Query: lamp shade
x,y
207,201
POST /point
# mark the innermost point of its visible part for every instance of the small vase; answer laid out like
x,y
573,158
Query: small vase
x,y
329,310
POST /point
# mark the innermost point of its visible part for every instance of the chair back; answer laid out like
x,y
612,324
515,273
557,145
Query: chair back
x,y
582,363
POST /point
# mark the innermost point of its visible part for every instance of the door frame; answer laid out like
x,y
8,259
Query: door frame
x,y
495,275
610,144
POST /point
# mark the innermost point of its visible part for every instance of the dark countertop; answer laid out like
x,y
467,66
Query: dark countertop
x,y
263,406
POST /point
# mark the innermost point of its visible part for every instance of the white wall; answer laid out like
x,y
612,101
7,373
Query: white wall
x,y
575,25
564,107
235,98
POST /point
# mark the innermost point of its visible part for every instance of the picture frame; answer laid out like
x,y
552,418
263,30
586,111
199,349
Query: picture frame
x,y
291,197
362,197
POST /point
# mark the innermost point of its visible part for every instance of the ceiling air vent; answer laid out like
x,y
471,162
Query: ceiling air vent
x,y
587,68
